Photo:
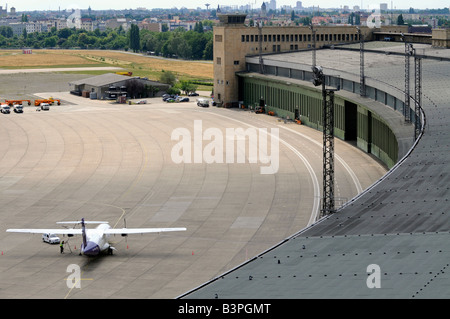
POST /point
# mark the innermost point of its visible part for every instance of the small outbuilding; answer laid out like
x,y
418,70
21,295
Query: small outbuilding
x,y
110,86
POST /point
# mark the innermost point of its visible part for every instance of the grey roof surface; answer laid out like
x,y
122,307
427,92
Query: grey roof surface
x,y
102,80
110,79
411,266
401,223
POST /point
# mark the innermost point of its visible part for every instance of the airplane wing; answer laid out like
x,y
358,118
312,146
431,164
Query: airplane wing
x,y
46,230
127,231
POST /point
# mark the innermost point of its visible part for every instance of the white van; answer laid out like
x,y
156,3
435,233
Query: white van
x,y
203,102
50,238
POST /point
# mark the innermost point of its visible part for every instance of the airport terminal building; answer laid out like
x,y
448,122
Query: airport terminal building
x,y
400,225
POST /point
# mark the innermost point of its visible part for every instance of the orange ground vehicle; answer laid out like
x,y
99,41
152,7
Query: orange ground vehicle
x,y
49,101
125,73
12,102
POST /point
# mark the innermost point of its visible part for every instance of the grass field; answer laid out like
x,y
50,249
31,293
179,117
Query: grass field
x,y
144,66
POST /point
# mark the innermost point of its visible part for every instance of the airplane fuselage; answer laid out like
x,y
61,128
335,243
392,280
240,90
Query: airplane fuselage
x,y
96,241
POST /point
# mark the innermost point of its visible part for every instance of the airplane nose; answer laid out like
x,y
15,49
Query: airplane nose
x,y
91,249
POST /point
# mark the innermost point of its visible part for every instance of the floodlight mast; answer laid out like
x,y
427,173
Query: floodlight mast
x,y
417,93
408,52
328,141
362,78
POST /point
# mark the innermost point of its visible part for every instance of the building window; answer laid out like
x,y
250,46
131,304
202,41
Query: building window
x,y
243,38
236,62
219,61
218,38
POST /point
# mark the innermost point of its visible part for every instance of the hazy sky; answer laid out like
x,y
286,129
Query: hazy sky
x,y
27,5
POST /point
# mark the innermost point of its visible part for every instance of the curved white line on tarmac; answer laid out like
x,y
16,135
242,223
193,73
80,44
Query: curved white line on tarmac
x,y
348,169
315,181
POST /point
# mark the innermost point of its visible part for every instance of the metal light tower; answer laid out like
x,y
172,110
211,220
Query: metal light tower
x,y
417,93
362,78
408,53
328,141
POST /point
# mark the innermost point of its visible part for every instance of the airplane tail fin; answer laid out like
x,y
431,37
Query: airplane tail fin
x,y
83,232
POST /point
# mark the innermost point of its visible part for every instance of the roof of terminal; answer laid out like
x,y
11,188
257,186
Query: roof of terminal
x,y
400,224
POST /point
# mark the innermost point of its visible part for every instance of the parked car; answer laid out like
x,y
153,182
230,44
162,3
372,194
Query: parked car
x,y
18,108
50,238
203,102
193,94
5,109
183,99
45,106
141,102
167,97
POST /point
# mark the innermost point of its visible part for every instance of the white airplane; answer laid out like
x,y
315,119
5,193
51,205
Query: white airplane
x,y
95,240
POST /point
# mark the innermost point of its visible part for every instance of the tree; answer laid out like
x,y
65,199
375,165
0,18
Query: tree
x,y
293,16
134,38
198,27
208,51
350,18
184,50
135,88
51,42
400,20
187,87
167,77
65,33
83,40
6,31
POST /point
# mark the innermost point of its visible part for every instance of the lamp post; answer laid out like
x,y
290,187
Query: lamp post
x,y
328,141
408,52
417,93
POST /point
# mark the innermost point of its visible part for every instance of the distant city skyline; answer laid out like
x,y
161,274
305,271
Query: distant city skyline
x,y
31,5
